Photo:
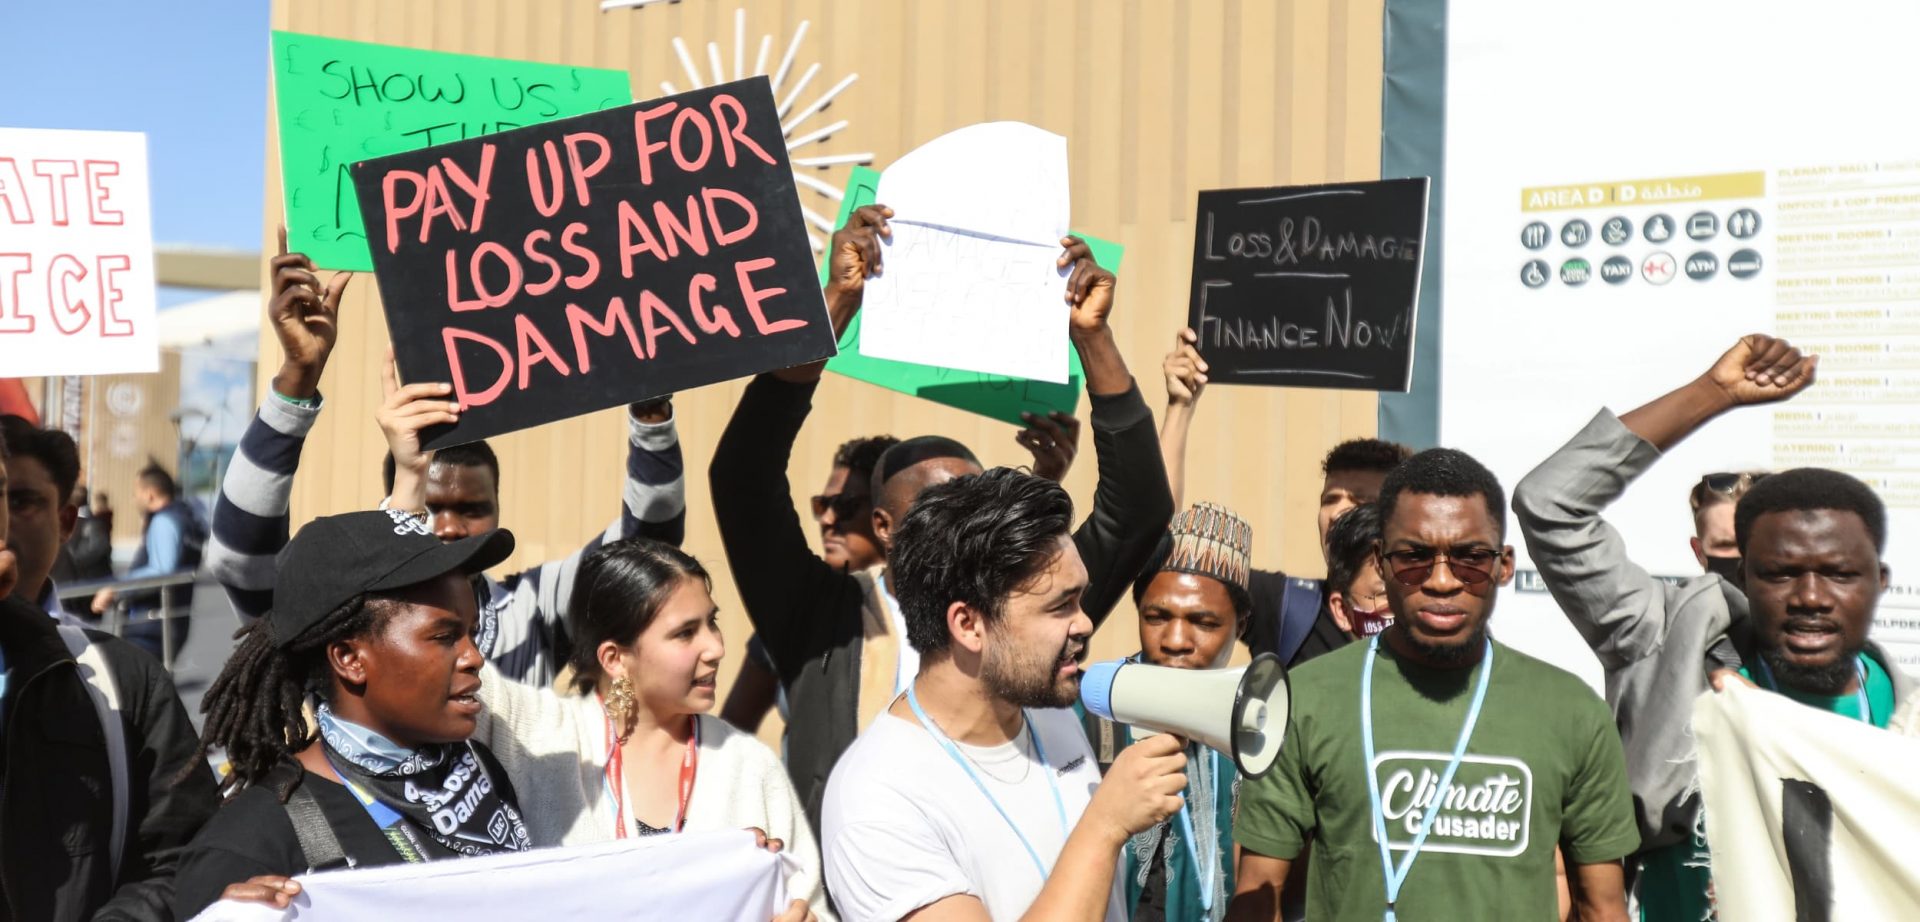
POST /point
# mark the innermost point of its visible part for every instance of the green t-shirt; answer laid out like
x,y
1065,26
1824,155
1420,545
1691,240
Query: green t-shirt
x,y
1543,767
1674,878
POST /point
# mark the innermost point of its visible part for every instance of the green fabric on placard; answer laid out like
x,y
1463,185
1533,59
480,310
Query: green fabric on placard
x,y
1674,879
339,102
1544,767
995,396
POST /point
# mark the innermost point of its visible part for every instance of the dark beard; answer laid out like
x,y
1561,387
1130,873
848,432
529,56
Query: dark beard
x,y
1829,680
1449,655
1023,684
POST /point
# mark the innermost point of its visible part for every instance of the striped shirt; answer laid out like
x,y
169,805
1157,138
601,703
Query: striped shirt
x,y
522,626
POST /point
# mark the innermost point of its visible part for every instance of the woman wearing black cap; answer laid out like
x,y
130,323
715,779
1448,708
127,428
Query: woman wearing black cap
x,y
372,623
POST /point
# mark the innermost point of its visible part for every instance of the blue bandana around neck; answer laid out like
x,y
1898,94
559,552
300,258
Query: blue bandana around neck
x,y
362,746
444,790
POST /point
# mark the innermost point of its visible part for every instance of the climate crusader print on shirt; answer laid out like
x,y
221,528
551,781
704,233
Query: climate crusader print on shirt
x,y
1543,767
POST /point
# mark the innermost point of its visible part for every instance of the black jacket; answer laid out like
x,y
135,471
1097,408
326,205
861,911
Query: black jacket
x,y
808,614
56,791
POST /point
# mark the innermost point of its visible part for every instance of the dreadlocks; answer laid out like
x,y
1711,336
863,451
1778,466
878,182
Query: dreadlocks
x,y
256,709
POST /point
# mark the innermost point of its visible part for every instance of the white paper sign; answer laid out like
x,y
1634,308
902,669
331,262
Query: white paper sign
x,y
76,254
720,876
970,279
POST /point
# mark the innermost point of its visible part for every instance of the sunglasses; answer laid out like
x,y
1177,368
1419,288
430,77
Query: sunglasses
x,y
1730,484
1470,565
845,506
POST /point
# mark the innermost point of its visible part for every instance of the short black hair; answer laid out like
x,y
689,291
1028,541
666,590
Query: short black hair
x,y
1376,455
1806,489
51,447
860,456
1350,542
1444,472
471,454
974,539
157,478
618,593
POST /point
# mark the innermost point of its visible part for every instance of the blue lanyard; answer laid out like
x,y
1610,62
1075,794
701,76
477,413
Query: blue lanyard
x,y
394,825
1039,752
1398,876
1859,668
1209,869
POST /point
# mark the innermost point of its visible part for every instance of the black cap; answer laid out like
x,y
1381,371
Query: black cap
x,y
337,557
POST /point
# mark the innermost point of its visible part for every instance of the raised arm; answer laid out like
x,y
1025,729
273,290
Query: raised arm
x,y
1186,374
781,580
1758,369
653,503
250,518
1619,608
1131,503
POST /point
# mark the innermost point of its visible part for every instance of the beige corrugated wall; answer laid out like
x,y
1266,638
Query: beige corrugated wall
x,y
1158,99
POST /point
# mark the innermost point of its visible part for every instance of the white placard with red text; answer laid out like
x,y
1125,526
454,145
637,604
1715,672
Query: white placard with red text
x,y
76,254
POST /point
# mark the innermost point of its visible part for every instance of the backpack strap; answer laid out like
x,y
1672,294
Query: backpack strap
x,y
1300,601
317,840
106,706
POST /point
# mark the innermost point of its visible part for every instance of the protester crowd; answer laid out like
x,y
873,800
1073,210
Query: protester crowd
x,y
391,700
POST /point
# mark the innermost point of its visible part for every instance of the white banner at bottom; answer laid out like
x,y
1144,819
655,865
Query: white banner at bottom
x,y
719,876
1809,815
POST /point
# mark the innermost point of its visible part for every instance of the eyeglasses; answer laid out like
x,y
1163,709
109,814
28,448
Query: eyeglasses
x,y
1729,484
844,505
1470,565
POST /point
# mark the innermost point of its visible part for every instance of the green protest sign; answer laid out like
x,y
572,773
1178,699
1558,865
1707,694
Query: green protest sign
x,y
995,396
339,102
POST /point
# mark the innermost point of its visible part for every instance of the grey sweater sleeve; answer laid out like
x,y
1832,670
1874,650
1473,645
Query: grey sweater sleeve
x,y
1619,608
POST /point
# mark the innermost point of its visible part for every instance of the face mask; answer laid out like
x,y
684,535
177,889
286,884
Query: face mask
x,y
1727,568
1369,623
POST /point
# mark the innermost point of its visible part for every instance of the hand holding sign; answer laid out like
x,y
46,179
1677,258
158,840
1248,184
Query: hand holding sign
x,y
402,415
1089,288
854,258
306,318
1185,370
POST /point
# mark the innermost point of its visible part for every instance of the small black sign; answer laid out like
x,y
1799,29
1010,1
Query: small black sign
x,y
1309,286
566,267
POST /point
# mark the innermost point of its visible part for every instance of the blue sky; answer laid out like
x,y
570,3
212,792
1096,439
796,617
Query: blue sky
x,y
192,74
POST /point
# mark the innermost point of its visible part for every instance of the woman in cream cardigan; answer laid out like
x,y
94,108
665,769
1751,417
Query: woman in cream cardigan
x,y
635,753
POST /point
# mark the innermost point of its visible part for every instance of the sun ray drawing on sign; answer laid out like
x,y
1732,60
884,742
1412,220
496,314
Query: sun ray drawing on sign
x,y
800,126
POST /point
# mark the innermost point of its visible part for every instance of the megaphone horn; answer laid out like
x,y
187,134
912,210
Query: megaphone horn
x,y
1242,712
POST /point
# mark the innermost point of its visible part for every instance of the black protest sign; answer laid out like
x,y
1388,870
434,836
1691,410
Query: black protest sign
x,y
1309,286
566,267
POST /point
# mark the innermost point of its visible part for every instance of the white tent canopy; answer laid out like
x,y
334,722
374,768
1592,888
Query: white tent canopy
x,y
217,318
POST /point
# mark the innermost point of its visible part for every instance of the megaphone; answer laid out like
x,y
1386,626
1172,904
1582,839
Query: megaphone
x,y
1242,712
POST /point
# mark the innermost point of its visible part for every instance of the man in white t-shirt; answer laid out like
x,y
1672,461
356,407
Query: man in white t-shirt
x,y
975,795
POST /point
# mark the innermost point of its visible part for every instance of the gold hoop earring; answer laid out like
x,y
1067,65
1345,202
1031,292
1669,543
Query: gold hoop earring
x,y
620,704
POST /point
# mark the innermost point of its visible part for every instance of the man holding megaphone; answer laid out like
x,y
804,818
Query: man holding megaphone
x,y
975,797
1433,770
1194,603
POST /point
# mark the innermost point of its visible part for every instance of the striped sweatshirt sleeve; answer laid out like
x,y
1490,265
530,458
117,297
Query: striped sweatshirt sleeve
x,y
250,519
